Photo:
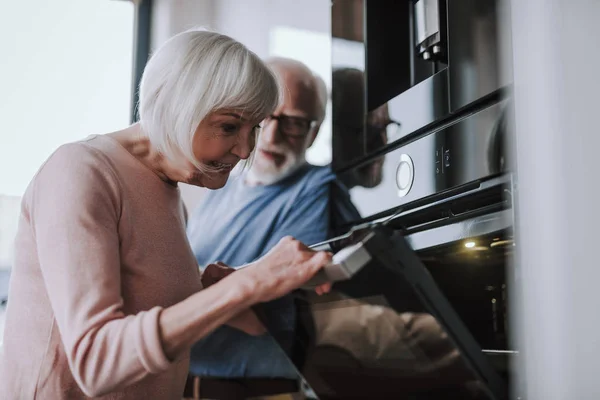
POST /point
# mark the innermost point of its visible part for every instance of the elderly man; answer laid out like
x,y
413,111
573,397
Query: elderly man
x,y
281,194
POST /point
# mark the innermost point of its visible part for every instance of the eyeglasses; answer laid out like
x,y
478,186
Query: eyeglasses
x,y
292,127
392,129
379,135
371,137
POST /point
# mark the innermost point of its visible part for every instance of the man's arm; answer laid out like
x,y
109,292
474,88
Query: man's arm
x,y
247,322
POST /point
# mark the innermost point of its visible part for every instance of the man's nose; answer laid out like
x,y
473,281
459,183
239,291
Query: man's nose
x,y
270,132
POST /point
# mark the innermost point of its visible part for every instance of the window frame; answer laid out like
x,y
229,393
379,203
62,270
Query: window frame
x,y
141,49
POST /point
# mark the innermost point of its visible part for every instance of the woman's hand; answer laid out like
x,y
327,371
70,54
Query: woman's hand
x,y
289,265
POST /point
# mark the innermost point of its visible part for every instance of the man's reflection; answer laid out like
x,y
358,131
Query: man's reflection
x,y
365,349
353,137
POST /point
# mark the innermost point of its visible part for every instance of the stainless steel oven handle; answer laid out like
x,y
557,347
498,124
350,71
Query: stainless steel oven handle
x,y
478,226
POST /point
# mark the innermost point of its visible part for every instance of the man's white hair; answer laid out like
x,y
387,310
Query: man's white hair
x,y
313,81
323,97
194,73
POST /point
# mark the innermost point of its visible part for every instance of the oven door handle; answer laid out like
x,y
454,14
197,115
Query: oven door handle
x,y
470,228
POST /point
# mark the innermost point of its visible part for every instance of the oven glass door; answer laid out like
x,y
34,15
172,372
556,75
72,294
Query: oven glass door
x,y
388,334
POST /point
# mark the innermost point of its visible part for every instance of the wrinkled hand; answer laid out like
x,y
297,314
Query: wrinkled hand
x,y
289,265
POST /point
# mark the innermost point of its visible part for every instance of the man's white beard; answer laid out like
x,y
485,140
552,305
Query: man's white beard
x,y
267,173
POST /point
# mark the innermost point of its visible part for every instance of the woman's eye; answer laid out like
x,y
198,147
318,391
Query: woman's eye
x,y
229,128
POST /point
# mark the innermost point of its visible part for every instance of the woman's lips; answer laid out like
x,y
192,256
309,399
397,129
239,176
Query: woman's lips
x,y
222,168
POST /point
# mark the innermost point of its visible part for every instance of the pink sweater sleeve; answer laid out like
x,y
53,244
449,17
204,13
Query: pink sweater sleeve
x,y
74,211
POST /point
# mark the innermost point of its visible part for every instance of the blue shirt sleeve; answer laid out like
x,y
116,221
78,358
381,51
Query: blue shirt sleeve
x,y
307,220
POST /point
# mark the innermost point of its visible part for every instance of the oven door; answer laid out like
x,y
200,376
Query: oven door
x,y
417,322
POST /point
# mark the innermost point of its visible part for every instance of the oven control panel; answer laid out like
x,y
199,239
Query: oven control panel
x,y
405,175
442,160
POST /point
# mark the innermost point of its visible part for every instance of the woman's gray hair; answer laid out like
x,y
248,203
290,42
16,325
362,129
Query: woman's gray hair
x,y
193,74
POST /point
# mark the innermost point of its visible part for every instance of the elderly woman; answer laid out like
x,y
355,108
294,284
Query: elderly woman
x,y
105,296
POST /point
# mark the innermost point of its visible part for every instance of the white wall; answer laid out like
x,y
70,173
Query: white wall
x,y
556,116
170,17
249,21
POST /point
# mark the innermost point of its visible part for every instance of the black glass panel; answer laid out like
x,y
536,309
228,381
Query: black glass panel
x,y
409,326
419,63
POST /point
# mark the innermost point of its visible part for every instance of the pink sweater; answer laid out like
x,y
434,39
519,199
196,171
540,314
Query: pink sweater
x,y
101,249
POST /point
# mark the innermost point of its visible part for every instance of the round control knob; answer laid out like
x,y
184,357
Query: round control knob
x,y
405,174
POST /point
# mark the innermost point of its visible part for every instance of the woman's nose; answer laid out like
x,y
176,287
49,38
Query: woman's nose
x,y
243,148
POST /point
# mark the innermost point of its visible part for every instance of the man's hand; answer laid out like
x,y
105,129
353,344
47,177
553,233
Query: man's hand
x,y
213,273
246,321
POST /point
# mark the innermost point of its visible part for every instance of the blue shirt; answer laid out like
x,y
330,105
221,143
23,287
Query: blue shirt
x,y
238,224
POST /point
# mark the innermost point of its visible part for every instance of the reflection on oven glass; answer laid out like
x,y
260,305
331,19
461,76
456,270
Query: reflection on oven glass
x,y
365,349
354,135
376,336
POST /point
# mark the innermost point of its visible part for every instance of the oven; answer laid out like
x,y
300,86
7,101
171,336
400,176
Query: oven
x,y
428,316
421,148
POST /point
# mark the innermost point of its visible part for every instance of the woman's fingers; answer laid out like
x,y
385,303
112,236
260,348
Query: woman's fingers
x,y
286,267
320,259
